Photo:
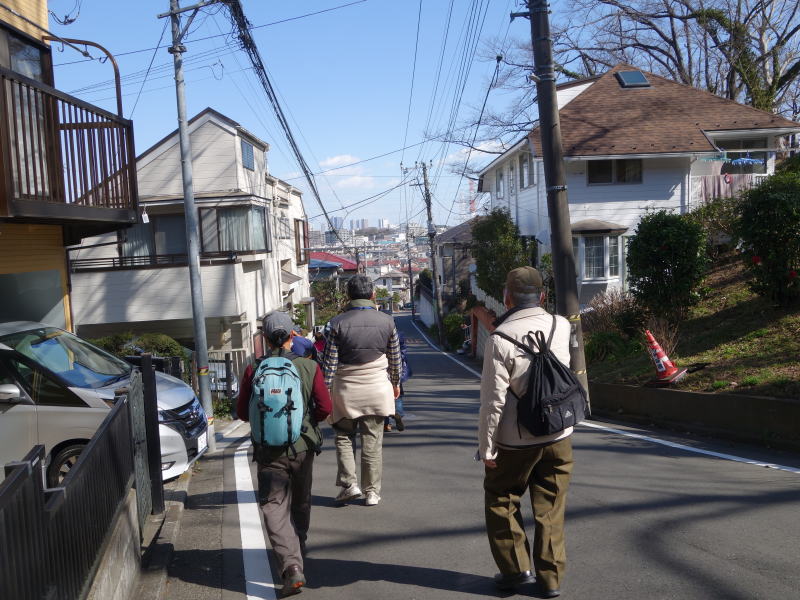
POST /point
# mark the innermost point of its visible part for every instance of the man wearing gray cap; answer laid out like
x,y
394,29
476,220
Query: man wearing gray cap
x,y
515,459
285,473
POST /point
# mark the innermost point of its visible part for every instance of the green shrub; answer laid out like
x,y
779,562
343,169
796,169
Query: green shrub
x,y
751,380
158,344
116,343
604,345
768,228
719,219
666,263
453,333
718,385
497,248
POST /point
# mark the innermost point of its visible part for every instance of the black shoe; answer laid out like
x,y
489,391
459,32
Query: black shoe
x,y
513,581
544,592
293,581
398,421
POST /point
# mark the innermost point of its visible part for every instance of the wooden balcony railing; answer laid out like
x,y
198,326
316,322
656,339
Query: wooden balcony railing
x,y
62,158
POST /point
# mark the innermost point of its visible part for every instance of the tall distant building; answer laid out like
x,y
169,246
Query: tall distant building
x,y
337,222
384,224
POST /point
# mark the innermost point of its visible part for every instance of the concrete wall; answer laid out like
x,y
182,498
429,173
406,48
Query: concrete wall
x,y
118,569
773,422
132,295
425,310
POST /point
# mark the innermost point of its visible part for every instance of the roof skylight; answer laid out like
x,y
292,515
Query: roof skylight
x,y
632,79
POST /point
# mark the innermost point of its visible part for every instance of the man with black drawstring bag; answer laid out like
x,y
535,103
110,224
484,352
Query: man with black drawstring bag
x,y
518,452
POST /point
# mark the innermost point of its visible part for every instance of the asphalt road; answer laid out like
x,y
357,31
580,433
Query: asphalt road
x,y
644,520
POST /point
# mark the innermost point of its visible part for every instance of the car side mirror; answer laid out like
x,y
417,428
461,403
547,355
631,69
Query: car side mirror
x,y
10,393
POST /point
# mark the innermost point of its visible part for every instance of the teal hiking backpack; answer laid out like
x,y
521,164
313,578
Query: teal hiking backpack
x,y
276,403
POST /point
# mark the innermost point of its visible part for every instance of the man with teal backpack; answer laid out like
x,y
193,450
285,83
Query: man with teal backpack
x,y
284,398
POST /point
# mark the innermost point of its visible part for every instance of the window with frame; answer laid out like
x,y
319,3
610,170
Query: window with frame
x,y
248,156
597,256
235,229
526,173
498,183
619,171
511,179
301,241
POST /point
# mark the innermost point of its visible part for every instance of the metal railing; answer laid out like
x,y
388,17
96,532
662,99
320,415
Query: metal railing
x,y
52,538
58,149
145,262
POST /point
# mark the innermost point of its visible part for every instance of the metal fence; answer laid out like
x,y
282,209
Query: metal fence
x,y
51,538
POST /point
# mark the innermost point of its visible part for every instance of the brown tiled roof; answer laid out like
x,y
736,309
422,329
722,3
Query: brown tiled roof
x,y
667,117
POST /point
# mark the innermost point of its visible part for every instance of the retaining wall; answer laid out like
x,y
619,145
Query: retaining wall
x,y
773,422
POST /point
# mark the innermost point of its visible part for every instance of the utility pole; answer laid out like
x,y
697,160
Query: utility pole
x,y
192,236
437,288
410,273
555,181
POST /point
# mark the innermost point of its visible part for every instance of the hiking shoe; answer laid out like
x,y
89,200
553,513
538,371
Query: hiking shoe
x,y
351,492
398,421
372,499
293,581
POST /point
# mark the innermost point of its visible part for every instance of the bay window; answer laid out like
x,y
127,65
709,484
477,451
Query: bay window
x,y
597,257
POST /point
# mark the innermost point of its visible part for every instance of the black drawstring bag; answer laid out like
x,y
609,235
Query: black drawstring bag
x,y
554,398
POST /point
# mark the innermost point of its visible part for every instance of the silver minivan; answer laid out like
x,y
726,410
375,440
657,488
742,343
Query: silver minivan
x,y
56,389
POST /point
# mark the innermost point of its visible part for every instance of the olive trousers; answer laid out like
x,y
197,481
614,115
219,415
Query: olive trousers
x,y
545,472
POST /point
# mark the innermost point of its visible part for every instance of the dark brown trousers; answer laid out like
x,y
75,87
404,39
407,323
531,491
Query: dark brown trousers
x,y
545,472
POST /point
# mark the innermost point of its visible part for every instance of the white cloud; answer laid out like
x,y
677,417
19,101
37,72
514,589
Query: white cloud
x,y
355,182
338,161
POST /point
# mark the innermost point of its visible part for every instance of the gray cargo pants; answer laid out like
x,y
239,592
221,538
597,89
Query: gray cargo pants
x,y
370,429
284,493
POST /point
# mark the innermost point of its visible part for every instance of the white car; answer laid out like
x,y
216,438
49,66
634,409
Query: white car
x,y
56,389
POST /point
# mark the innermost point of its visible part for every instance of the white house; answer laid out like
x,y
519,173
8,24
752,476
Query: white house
x,y
633,142
253,246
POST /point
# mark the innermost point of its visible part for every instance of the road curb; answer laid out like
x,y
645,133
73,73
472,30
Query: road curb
x,y
162,531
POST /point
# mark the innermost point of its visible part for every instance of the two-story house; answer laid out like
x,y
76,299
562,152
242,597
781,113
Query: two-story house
x,y
253,246
633,142
66,172
453,250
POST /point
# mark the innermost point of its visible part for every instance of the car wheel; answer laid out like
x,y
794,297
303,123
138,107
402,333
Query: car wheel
x,y
62,463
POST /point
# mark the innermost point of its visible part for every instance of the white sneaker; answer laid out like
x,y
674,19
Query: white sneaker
x,y
351,492
372,499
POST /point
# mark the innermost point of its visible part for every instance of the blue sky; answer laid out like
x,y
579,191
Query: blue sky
x,y
343,77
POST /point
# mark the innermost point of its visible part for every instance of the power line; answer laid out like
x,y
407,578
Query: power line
x,y
152,58
249,46
250,28
413,75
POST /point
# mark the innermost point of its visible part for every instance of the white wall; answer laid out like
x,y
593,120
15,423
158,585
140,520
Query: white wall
x,y
214,163
130,295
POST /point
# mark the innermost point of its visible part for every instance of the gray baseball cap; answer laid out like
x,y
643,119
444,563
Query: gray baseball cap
x,y
277,320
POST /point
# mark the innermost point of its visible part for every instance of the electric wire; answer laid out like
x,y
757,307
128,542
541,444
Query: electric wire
x,y
252,27
144,80
249,46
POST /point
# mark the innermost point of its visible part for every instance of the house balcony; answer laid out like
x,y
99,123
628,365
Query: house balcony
x,y
705,188
63,161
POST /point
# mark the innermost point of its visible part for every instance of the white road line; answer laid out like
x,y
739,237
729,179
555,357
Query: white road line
x,y
455,360
257,572
732,457
684,447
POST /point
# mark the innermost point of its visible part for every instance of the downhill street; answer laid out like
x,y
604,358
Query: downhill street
x,y
644,519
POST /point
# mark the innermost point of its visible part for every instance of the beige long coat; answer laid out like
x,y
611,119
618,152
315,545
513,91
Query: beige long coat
x,y
504,365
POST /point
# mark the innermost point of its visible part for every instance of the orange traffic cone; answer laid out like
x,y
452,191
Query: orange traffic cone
x,y
666,371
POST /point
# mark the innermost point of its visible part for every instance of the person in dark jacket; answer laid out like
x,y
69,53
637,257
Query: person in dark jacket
x,y
405,375
285,474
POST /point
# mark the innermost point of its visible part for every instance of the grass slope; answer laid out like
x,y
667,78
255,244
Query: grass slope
x,y
753,347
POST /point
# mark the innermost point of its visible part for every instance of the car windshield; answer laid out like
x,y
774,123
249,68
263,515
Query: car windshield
x,y
76,361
